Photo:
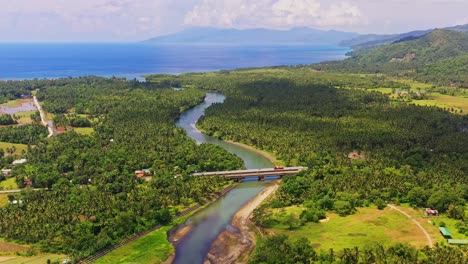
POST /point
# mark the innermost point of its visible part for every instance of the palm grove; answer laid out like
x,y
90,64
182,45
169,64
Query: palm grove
x,y
93,199
408,153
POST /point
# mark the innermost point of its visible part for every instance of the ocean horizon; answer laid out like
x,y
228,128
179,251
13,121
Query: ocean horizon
x,y
132,60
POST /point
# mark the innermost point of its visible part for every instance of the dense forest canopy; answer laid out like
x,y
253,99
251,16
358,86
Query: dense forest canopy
x,y
93,199
360,146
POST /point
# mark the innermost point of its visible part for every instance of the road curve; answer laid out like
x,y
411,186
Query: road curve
x,y
429,239
43,117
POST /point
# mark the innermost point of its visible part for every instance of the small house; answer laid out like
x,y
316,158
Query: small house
x,y
139,173
18,162
27,182
6,172
430,212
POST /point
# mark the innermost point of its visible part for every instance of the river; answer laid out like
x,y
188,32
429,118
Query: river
x,y
211,221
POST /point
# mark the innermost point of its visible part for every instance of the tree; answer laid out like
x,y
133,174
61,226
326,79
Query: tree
x,y
456,212
343,208
417,197
380,204
441,200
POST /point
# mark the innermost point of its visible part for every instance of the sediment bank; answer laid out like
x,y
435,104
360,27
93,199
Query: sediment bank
x,y
235,243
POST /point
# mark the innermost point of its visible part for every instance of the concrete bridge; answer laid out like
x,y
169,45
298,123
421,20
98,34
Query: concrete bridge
x,y
260,173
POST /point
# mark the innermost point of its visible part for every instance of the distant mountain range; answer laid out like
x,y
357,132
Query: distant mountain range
x,y
375,39
203,35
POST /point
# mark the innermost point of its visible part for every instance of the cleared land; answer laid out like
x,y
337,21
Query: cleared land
x,y
366,226
25,117
457,102
431,224
84,130
38,259
445,101
19,147
15,103
9,250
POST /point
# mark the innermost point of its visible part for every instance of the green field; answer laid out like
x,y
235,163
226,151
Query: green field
x,y
152,248
84,130
38,259
3,199
25,117
13,103
366,226
13,253
19,147
446,101
9,184
431,224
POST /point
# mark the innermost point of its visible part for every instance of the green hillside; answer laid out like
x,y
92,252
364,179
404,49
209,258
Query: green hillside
x,y
454,68
418,58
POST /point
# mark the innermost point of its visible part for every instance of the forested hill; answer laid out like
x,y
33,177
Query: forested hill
x,y
376,39
422,58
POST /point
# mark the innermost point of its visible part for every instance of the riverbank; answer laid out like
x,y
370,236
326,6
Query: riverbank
x,y
262,153
152,245
235,244
269,156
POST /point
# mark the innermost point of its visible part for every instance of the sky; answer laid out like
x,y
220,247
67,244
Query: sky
x,y
135,20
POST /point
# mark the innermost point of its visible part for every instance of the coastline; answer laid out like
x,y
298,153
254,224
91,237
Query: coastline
x,y
235,244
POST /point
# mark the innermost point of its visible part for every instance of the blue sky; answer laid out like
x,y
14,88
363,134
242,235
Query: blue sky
x,y
134,20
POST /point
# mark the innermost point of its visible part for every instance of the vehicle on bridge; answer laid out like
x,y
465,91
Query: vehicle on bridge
x,y
279,168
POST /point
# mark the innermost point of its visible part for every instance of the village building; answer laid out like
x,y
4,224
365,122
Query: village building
x,y
6,172
139,173
27,182
430,212
18,162
445,232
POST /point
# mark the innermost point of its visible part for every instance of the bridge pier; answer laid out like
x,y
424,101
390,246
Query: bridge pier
x,y
261,178
239,179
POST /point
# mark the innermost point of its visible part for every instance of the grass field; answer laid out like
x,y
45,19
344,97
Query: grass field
x,y
9,184
459,102
367,226
152,248
84,130
445,101
431,224
13,103
19,147
25,117
9,250
38,259
3,199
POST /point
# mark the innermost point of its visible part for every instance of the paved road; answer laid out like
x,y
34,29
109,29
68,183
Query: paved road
x,y
429,240
43,117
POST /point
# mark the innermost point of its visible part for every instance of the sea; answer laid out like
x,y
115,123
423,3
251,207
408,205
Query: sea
x,y
133,60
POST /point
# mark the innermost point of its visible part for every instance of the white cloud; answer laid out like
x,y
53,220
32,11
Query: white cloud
x,y
271,14
131,20
90,19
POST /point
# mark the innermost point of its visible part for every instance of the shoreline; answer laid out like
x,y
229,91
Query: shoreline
x,y
235,244
263,153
